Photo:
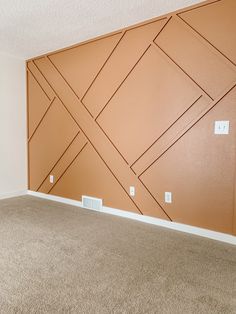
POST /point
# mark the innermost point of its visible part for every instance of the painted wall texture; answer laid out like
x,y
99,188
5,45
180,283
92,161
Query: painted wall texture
x,y
137,108
13,139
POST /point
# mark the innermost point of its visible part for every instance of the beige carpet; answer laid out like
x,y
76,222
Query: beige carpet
x,y
56,258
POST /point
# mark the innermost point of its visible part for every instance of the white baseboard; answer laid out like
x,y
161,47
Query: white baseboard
x,y
13,194
214,235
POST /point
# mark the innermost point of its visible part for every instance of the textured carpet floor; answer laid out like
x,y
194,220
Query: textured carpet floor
x,y
56,258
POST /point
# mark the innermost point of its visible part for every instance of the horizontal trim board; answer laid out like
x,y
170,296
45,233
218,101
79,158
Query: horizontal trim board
x,y
214,235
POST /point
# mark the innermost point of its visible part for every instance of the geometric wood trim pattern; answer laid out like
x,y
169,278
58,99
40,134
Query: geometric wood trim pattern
x,y
137,108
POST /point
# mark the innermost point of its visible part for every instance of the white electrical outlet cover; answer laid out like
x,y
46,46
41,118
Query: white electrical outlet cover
x,y
221,127
132,191
51,179
168,197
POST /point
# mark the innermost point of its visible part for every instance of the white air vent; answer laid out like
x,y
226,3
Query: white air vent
x,y
91,202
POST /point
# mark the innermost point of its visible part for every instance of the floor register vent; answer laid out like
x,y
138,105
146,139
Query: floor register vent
x,y
91,202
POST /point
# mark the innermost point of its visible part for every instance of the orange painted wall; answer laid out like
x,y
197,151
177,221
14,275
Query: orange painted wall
x,y
137,108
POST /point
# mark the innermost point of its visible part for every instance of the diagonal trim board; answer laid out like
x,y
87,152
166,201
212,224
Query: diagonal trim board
x,y
127,53
197,18
212,77
57,120
165,102
214,235
41,120
41,81
93,178
39,101
148,158
124,175
69,61
134,112
64,162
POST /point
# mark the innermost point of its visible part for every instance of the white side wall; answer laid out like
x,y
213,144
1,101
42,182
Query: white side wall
x,y
13,152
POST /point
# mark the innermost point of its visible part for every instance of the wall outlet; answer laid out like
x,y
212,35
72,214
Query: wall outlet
x,y
132,191
168,197
221,127
51,179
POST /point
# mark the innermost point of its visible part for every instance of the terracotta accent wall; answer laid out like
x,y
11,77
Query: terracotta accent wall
x,y
137,108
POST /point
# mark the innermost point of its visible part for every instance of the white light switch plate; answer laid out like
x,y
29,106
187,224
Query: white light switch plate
x,y
221,127
168,197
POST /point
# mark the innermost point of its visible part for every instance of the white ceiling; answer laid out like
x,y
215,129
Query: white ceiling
x,y
32,27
